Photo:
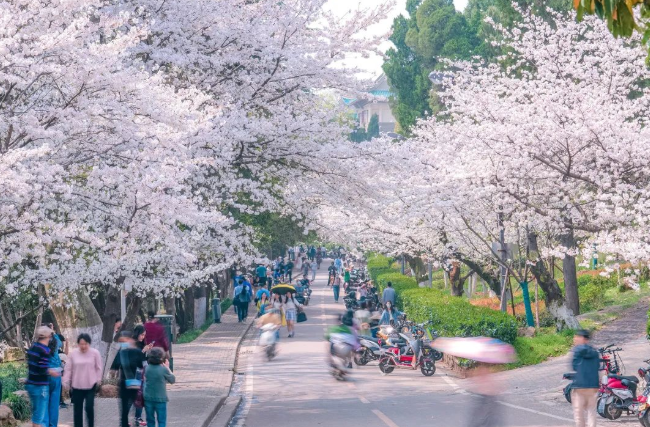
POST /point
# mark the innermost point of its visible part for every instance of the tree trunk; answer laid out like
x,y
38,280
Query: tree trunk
x,y
569,272
555,303
111,312
455,279
492,282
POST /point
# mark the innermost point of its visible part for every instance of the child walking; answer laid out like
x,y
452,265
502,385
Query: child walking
x,y
156,377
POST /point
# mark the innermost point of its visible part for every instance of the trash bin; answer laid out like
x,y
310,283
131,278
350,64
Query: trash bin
x,y
216,310
167,321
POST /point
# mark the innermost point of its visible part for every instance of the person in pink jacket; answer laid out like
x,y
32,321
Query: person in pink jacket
x,y
83,376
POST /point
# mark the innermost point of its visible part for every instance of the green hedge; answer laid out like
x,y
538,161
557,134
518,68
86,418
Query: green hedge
x,y
450,316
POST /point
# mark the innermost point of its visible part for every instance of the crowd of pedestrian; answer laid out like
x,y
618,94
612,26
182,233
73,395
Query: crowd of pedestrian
x,y
141,366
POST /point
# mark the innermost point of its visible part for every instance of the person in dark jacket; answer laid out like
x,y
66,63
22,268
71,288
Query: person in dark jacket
x,y
126,364
155,332
586,364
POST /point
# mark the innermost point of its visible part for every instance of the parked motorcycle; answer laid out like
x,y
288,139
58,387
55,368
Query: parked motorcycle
x,y
617,392
610,362
268,340
643,399
399,356
370,350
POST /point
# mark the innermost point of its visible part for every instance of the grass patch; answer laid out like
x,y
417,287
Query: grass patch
x,y
535,350
192,334
10,374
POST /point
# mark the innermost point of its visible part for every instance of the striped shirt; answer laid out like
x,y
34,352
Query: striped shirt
x,y
38,361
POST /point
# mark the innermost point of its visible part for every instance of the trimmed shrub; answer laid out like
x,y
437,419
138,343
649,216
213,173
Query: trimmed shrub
x,y
400,282
456,317
450,316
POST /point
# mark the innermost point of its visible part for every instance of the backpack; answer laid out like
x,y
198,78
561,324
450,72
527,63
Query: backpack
x,y
243,295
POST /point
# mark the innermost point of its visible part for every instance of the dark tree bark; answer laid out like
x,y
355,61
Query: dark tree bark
x,y
553,298
111,312
133,305
492,282
455,279
569,272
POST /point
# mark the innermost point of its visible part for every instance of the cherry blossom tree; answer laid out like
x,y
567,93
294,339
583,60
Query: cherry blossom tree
x,y
546,143
132,132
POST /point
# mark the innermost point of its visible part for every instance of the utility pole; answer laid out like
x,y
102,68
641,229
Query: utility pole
x,y
403,264
502,268
430,274
123,301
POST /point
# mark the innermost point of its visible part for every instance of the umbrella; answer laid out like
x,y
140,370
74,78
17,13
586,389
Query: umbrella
x,y
283,289
481,349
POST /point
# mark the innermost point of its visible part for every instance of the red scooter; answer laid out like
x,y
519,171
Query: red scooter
x,y
402,357
617,392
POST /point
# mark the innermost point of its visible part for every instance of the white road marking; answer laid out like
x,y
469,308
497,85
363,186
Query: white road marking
x,y
460,390
450,382
363,399
384,418
521,408
249,381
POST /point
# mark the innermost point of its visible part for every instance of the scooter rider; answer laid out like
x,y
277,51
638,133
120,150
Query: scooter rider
x,y
346,333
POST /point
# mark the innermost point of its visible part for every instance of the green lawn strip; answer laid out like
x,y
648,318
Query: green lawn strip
x,y
547,343
192,334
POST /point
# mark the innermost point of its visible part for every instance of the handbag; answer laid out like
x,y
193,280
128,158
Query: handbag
x,y
302,317
131,383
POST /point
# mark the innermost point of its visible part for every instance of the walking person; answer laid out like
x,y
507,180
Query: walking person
x,y
314,269
339,265
51,418
39,373
240,300
288,271
82,376
312,253
336,287
586,364
127,361
156,377
290,306
261,275
388,295
140,333
155,332
304,269
346,277
331,273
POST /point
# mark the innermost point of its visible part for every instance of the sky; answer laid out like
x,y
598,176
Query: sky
x,y
373,65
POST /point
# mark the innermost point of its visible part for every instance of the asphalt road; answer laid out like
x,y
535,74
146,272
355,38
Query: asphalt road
x,y
296,390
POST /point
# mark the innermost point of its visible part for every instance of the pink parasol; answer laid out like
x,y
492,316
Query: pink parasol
x,y
481,349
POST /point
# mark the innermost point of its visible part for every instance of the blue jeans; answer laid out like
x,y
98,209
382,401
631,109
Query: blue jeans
x,y
39,395
51,418
160,411
337,290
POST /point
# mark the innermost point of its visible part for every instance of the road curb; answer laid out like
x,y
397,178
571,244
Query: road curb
x,y
226,411
224,406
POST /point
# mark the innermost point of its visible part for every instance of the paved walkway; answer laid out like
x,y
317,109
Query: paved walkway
x,y
203,369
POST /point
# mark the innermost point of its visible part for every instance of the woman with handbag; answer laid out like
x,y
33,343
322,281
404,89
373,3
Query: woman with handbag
x,y
140,333
128,364
82,376
290,307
